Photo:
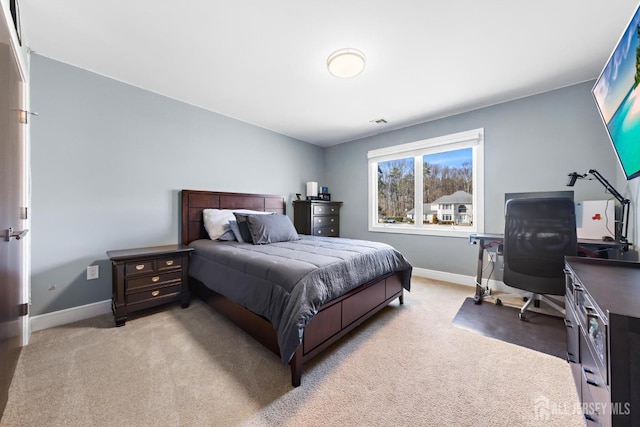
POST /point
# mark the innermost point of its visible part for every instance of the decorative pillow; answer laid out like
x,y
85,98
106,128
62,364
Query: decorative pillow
x,y
228,235
233,223
271,229
244,235
216,222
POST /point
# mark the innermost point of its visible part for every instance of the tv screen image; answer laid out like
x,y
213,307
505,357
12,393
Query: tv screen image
x,y
617,95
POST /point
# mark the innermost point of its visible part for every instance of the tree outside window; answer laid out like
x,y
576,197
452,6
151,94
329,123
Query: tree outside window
x,y
428,187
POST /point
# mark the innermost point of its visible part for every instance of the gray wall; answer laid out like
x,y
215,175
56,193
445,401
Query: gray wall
x,y
109,159
531,144
108,162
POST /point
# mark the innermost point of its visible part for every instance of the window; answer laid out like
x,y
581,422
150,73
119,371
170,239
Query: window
x,y
433,186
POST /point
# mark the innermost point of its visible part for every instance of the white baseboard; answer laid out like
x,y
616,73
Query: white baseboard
x,y
74,314
459,279
69,315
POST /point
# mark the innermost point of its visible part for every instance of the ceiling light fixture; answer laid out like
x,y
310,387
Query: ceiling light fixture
x,y
346,63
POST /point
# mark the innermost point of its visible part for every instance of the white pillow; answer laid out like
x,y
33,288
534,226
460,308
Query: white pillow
x,y
216,221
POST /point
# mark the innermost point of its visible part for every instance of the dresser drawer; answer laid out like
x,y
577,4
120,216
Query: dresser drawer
x,y
594,382
573,334
319,210
326,231
325,221
164,279
152,294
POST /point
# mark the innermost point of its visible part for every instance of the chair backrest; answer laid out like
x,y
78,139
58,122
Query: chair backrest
x,y
538,234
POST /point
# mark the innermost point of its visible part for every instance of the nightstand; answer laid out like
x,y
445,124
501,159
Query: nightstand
x,y
317,217
147,277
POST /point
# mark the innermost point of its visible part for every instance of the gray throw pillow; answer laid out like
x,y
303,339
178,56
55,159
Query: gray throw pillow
x,y
243,227
266,229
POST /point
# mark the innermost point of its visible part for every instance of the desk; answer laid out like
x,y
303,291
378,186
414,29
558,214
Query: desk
x,y
486,240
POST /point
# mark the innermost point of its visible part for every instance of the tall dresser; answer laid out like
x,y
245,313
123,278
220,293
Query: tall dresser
x,y
317,217
603,338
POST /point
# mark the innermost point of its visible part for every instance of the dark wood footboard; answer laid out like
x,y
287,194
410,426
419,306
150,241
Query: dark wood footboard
x,y
341,315
333,321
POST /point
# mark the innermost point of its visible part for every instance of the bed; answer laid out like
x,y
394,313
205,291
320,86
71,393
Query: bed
x,y
313,292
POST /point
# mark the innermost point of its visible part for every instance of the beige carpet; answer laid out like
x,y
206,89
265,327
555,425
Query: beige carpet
x,y
174,367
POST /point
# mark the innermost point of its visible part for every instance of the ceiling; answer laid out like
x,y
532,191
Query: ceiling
x,y
264,62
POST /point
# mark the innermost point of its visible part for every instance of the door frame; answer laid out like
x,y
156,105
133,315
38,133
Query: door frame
x,y
21,55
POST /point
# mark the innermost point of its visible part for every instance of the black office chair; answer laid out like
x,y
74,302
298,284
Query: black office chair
x,y
538,234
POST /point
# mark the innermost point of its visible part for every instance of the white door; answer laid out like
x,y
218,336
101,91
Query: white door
x,y
12,210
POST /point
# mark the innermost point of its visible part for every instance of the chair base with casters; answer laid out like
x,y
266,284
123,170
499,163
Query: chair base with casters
x,y
532,298
539,234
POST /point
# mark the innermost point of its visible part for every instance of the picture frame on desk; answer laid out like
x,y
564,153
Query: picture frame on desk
x,y
324,196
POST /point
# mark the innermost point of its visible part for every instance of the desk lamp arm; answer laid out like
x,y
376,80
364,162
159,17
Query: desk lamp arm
x,y
624,203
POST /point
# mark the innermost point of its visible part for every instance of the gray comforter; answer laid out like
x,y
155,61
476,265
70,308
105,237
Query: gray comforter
x,y
287,282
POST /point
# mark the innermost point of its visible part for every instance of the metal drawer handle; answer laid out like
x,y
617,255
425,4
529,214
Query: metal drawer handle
x,y
155,279
319,220
140,267
592,382
155,293
588,380
170,262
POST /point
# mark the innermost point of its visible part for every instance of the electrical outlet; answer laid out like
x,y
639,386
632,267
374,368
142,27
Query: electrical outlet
x,y
93,272
52,287
492,256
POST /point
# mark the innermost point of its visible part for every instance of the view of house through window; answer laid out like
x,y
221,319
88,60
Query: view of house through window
x,y
435,188
447,189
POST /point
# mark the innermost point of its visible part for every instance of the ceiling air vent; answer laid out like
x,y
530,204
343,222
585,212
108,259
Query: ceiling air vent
x,y
378,121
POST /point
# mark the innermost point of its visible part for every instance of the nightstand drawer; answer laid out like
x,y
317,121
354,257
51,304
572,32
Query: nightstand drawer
x,y
157,280
138,267
153,294
325,221
168,264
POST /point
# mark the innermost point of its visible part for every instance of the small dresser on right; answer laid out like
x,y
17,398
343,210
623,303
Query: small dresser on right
x,y
603,338
317,217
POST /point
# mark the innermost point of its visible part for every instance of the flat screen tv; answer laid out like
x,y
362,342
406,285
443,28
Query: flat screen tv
x,y
617,95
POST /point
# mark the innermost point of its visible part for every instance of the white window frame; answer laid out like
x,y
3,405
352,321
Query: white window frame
x,y
469,139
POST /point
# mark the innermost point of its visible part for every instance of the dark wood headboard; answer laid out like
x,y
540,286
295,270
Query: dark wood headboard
x,y
195,201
